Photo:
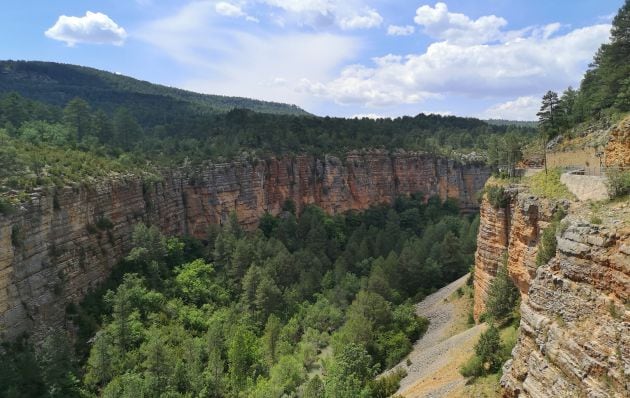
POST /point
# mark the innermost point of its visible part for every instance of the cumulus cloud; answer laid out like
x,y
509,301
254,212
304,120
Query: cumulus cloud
x,y
522,108
369,19
441,24
520,67
346,14
229,9
93,28
395,30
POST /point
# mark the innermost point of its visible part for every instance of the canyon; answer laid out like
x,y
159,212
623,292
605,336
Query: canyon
x,y
62,243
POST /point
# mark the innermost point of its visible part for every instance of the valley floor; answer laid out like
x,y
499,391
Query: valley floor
x,y
447,344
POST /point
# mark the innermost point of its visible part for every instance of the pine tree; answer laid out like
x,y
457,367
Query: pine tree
x,y
77,117
548,120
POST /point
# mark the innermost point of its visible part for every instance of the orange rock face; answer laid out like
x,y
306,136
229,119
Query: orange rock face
x,y
618,149
52,250
511,235
574,335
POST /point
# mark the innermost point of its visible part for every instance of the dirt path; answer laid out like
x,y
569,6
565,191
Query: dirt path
x,y
437,356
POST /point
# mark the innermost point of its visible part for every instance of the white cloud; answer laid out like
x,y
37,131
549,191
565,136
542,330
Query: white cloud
x,y
346,14
395,30
228,9
441,24
369,19
523,66
233,62
93,28
522,108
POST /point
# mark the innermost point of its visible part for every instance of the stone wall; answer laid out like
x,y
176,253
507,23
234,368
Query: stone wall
x,y
59,245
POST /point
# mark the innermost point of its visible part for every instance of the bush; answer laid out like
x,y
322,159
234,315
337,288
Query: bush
x,y
385,386
548,244
6,207
103,223
619,183
503,295
17,237
496,196
472,368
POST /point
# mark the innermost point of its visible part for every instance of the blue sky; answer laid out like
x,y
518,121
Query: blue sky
x,y
482,58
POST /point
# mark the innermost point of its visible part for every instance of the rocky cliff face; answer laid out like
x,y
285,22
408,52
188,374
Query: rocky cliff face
x,y
509,234
574,336
617,152
59,245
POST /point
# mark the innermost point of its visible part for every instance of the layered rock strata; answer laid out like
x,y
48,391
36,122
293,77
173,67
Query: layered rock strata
x,y
574,338
61,244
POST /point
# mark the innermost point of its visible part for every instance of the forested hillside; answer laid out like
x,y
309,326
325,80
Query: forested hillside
x,y
56,84
316,305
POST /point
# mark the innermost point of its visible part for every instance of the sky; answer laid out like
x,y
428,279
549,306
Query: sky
x,y
375,58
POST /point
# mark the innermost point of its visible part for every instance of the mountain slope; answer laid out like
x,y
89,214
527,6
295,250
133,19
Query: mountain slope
x,y
56,84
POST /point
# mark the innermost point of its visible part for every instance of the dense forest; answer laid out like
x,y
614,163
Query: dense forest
x,y
308,306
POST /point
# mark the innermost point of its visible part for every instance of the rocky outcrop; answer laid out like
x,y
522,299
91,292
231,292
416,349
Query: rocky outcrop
x,y
574,338
575,328
61,244
509,235
617,152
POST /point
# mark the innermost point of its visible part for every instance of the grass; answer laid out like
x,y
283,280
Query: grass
x,y
548,185
483,387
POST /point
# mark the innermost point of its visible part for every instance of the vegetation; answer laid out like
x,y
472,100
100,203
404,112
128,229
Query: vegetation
x,y
59,83
604,91
548,185
252,313
503,296
548,243
497,196
619,183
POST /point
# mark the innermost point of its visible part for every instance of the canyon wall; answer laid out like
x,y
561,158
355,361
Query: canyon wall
x,y
617,151
59,245
574,338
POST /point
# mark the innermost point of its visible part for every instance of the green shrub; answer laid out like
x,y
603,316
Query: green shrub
x,y
6,207
472,368
385,386
503,296
17,238
548,244
496,196
619,183
103,223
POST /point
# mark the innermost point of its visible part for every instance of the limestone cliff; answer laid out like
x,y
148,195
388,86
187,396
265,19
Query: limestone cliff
x,y
617,151
60,244
574,338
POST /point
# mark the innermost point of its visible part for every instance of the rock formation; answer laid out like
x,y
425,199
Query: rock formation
x,y
574,338
617,152
61,244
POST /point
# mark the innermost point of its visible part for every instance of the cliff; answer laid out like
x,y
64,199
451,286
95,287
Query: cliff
x,y
60,244
617,151
574,335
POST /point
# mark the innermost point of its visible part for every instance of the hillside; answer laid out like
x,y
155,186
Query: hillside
x,y
56,84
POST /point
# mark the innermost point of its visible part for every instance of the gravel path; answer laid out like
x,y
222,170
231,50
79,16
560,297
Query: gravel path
x,y
436,356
